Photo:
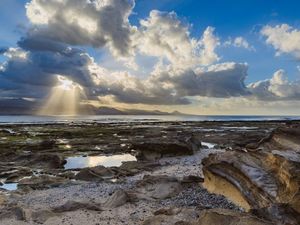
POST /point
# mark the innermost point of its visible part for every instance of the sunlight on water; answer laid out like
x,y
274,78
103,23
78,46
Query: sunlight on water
x,y
64,98
91,161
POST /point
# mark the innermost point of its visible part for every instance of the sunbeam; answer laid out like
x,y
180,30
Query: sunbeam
x,y
64,98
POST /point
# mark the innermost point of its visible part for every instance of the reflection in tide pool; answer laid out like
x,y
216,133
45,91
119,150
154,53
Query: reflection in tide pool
x,y
91,161
209,145
10,187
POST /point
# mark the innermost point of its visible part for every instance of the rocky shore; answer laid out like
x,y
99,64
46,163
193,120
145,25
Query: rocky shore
x,y
183,173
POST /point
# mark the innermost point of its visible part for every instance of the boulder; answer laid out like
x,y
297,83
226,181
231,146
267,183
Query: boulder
x,y
41,182
76,205
17,174
117,199
158,187
49,161
94,173
131,168
156,150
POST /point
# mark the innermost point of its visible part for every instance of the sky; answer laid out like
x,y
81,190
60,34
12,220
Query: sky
x,y
201,57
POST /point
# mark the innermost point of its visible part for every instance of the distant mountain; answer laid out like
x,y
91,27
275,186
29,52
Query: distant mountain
x,y
20,106
17,106
113,111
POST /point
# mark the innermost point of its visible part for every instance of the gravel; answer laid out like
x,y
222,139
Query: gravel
x,y
199,197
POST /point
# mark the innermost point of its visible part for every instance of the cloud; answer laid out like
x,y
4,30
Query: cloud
x,y
184,67
83,22
43,62
284,38
220,80
163,35
276,88
14,53
17,106
239,42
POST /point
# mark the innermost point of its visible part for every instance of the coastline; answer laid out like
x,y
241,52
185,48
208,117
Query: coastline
x,y
167,175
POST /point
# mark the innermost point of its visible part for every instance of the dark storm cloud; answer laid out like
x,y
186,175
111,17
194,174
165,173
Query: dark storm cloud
x,y
82,22
221,81
45,59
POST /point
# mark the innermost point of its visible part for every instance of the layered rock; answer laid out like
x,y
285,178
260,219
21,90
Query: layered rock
x,y
283,138
157,150
260,179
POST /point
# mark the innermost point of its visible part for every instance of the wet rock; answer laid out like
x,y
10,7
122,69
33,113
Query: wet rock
x,y
158,187
155,150
16,175
94,173
49,161
133,167
41,182
194,142
67,174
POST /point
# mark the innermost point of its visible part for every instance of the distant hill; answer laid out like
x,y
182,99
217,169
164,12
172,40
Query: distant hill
x,y
20,106
114,111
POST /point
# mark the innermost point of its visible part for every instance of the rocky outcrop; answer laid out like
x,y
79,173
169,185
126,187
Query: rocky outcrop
x,y
283,138
76,205
157,150
131,168
49,161
188,216
117,199
41,182
14,174
260,179
94,173
228,217
157,187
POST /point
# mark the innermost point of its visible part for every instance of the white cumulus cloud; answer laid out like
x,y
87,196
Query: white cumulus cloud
x,y
284,38
164,35
276,88
239,42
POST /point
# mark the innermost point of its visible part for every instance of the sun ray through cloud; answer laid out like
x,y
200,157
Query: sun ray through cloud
x,y
63,99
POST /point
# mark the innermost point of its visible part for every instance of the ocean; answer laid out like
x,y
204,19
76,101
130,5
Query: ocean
x,y
133,118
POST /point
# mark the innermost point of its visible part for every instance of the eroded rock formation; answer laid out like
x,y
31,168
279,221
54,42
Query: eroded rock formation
x,y
263,178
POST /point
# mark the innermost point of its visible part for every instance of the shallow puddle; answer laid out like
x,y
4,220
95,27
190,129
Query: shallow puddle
x,y
10,187
209,145
91,161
